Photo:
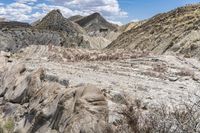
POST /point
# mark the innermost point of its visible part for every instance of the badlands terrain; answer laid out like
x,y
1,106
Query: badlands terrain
x,y
84,74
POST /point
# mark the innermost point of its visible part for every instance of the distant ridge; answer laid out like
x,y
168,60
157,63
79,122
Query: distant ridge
x,y
95,22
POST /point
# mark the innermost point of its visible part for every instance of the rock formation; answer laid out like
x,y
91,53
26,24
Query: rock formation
x,y
41,104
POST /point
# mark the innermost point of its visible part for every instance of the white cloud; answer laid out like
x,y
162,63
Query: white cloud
x,y
26,1
16,11
31,10
108,8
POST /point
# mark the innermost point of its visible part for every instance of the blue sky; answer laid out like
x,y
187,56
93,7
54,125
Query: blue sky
x,y
142,9
118,11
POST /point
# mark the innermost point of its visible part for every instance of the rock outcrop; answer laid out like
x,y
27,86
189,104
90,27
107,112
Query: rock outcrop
x,y
39,104
177,31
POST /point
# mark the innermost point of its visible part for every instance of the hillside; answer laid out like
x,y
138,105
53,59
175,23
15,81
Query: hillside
x,y
95,22
177,31
55,21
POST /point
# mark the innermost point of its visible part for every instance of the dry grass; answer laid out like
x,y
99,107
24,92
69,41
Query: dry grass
x,y
72,55
184,118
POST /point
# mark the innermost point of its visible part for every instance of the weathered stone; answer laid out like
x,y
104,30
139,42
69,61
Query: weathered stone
x,y
41,105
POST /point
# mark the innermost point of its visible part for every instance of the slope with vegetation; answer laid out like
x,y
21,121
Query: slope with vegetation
x,y
177,31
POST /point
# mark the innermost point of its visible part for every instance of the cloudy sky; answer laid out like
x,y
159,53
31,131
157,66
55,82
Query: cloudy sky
x,y
118,11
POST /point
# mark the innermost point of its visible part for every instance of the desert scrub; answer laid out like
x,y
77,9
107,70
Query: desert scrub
x,y
136,118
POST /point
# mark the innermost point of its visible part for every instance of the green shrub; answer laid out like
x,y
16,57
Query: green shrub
x,y
9,125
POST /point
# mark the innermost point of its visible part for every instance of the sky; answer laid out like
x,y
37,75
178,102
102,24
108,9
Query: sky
x,y
116,11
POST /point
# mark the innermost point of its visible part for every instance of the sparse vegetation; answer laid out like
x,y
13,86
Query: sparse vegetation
x,y
72,55
9,125
184,118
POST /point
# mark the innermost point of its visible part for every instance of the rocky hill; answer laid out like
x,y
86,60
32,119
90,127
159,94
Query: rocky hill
x,y
53,29
177,31
96,23
55,21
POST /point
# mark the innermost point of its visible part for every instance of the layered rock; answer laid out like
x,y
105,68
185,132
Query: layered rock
x,y
40,104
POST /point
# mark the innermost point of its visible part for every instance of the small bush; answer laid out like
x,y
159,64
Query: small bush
x,y
161,68
185,72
